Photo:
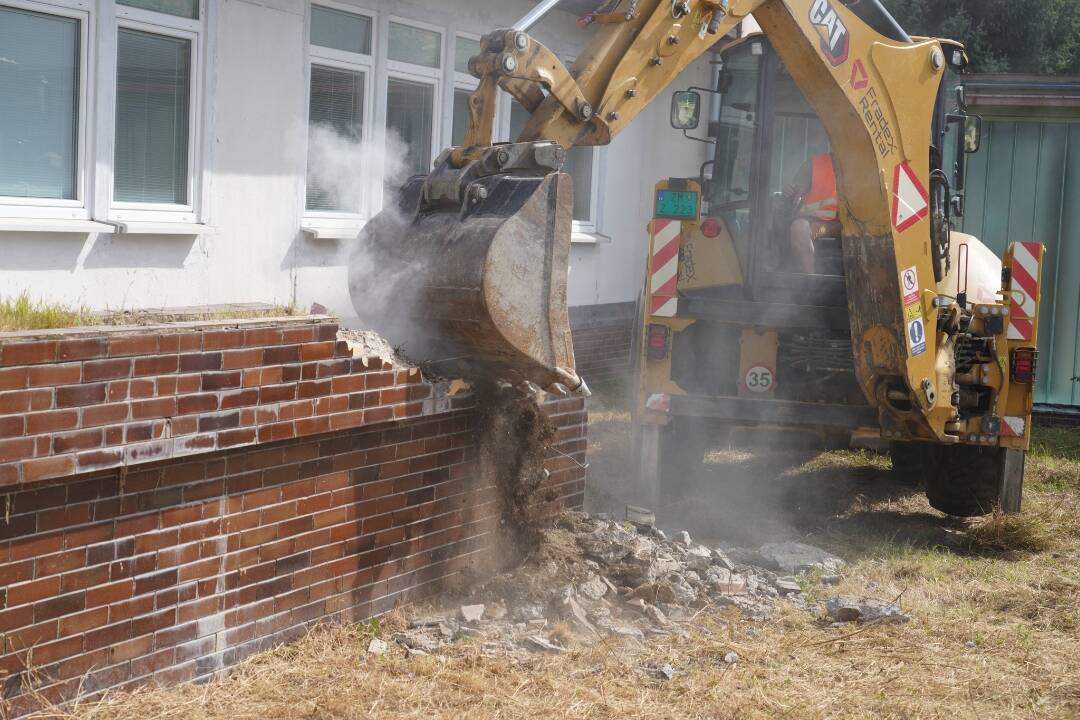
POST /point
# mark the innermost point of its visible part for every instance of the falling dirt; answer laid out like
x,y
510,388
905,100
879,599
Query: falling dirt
x,y
514,437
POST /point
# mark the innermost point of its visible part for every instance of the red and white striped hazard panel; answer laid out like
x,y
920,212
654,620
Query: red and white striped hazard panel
x,y
667,237
1024,290
1014,427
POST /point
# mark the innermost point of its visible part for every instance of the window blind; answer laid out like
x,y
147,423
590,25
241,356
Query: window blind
x,y
39,104
337,103
410,107
153,87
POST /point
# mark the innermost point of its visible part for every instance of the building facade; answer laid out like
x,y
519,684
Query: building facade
x,y
160,153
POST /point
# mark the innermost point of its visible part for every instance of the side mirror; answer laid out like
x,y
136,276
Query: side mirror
x,y
961,98
685,110
972,134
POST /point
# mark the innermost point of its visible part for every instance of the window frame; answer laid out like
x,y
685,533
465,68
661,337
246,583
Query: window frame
x,y
79,208
315,220
421,74
172,26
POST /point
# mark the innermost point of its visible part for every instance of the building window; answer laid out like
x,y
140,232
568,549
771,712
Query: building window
x,y
580,165
414,56
180,8
465,84
341,63
153,118
155,167
42,61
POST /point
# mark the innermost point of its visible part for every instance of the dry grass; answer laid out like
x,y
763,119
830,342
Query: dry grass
x,y
995,630
23,313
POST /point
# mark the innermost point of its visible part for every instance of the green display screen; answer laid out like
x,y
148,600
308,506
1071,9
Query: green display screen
x,y
677,204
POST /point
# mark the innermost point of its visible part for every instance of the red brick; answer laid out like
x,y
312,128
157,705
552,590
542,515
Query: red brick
x,y
55,651
11,450
13,378
31,592
231,438
133,345
281,354
110,593
48,422
257,337
28,353
348,384
200,362
99,459
239,359
83,621
47,375
131,649
47,468
21,401
104,414
141,389
189,404
221,380
79,395
161,407
12,426
81,349
327,331
317,351
81,440
107,369
223,339
156,365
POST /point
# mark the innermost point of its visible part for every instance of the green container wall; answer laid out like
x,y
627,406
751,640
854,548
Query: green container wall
x,y
1024,184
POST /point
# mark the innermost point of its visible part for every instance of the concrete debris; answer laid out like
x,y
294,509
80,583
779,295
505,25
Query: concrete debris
x,y
414,652
731,658
832,580
377,647
794,558
471,613
844,609
642,517
592,577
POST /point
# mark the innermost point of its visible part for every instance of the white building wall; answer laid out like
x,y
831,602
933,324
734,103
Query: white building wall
x,y
256,91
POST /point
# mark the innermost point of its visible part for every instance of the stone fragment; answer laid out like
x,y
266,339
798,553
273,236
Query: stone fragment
x,y
724,581
593,588
415,652
660,672
656,616
721,559
525,613
377,646
731,658
683,538
655,592
787,586
539,644
471,613
831,580
797,558
641,517
865,610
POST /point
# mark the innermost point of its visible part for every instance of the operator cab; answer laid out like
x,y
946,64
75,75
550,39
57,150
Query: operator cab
x,y
766,139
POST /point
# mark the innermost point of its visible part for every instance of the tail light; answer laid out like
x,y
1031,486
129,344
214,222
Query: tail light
x,y
657,339
1025,362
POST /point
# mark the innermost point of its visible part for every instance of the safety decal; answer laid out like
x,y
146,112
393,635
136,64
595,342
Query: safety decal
x,y
911,201
667,237
859,77
909,280
1015,427
835,39
759,379
1025,290
916,331
913,312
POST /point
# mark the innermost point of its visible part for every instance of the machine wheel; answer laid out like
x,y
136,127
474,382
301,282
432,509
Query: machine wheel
x,y
909,463
682,455
968,481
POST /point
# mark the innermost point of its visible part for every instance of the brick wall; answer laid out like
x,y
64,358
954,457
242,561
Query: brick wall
x,y
603,341
178,499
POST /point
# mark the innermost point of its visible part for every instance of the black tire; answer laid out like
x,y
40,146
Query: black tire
x,y
909,463
968,481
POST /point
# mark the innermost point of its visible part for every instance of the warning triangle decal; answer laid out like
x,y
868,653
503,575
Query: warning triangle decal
x,y
911,202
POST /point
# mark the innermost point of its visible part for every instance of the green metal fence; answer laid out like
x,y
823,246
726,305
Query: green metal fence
x,y
1024,184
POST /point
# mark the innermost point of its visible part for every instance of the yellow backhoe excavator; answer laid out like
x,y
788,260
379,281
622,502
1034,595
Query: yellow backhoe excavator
x,y
906,326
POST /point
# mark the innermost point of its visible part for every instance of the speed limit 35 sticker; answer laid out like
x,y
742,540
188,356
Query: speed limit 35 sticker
x,y
760,379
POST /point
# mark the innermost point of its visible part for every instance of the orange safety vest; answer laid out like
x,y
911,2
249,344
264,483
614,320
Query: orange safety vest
x,y
822,202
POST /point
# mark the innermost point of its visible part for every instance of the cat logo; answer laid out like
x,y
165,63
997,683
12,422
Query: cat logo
x,y
835,40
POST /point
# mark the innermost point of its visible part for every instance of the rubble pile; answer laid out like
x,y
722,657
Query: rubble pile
x,y
592,578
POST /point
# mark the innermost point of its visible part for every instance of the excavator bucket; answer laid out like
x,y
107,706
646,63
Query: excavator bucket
x,y
471,266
